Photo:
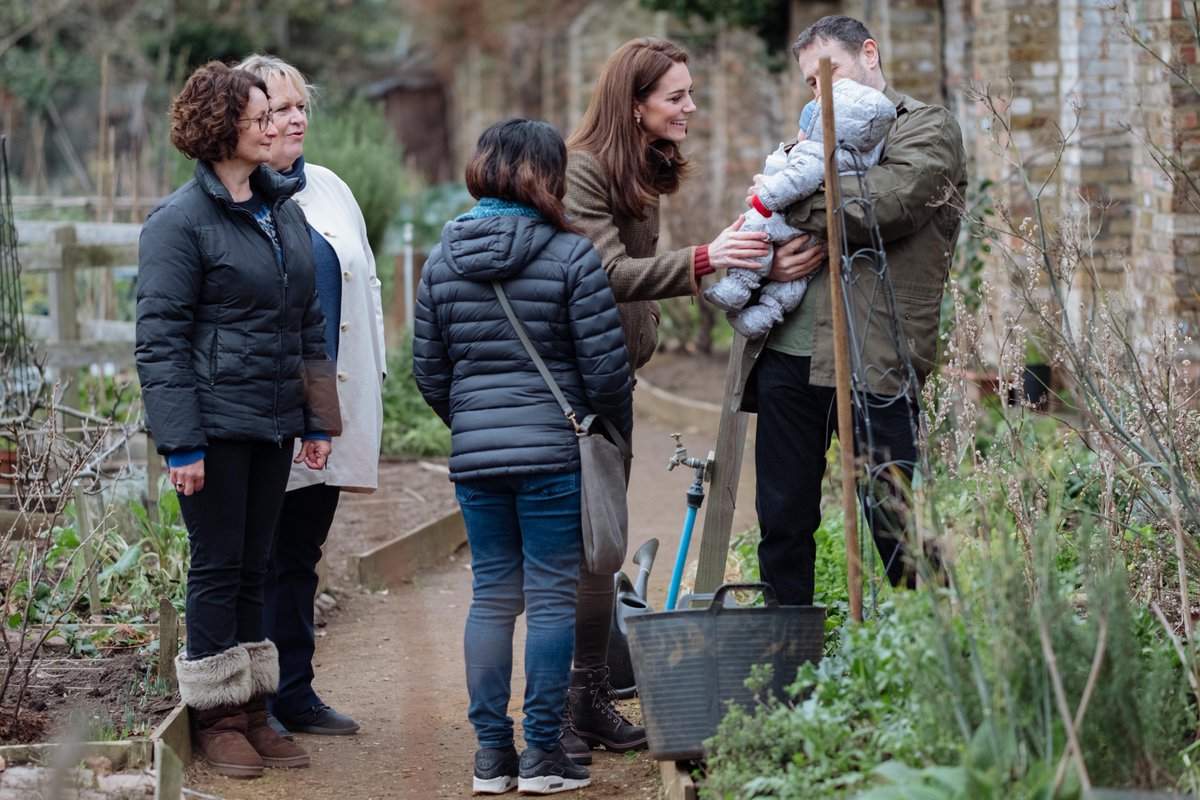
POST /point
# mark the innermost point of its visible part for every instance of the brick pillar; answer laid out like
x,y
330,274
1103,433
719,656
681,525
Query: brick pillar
x,y
1166,223
1096,62
910,35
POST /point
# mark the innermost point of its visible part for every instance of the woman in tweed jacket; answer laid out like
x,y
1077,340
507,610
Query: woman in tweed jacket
x,y
623,157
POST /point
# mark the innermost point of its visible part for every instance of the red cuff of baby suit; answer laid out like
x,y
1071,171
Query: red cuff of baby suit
x,y
702,266
759,207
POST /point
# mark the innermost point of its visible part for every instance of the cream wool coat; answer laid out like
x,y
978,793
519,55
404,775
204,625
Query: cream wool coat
x,y
332,211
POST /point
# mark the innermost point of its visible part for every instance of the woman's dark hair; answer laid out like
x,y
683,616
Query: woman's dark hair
x,y
638,172
522,161
204,117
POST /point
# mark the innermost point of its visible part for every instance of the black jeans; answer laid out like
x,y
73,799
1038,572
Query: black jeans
x,y
231,524
796,423
291,588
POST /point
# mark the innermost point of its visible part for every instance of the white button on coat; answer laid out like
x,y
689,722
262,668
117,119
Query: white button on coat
x,y
331,209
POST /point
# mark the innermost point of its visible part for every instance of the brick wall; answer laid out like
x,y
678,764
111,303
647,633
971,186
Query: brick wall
x,y
1053,67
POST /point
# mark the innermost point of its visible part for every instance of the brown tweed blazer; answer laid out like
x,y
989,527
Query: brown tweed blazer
x,y
627,248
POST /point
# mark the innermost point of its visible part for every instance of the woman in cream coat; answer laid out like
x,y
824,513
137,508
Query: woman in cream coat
x,y
349,294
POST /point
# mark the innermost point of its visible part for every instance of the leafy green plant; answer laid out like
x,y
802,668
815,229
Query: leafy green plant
x,y
410,428
842,714
155,564
355,141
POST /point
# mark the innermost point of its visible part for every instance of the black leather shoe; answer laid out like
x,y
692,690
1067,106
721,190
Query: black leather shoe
x,y
277,726
321,720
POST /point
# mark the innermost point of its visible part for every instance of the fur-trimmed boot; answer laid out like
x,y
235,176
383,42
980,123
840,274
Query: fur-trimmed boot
x,y
596,719
274,750
215,689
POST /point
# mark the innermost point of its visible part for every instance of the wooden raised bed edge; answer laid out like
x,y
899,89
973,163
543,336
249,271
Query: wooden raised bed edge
x,y
392,563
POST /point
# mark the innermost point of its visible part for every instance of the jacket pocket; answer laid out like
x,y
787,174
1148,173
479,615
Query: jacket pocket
x,y
920,316
213,356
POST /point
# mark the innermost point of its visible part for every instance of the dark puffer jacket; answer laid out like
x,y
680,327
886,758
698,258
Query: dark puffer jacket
x,y
470,365
230,344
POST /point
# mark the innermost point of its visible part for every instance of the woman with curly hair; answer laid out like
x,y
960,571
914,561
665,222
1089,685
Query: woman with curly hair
x,y
232,362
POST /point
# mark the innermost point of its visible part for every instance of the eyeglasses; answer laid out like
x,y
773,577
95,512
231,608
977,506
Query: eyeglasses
x,y
264,121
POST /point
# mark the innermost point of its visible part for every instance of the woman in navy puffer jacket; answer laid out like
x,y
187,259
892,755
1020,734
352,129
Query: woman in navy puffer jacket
x,y
515,458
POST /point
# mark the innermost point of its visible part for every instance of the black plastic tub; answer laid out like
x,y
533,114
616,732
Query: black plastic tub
x,y
690,663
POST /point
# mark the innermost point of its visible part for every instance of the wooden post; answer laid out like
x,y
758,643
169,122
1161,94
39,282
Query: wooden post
x,y
168,641
168,784
727,467
841,347
89,552
61,285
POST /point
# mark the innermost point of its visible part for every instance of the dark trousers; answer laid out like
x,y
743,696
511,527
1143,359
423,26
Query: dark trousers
x,y
231,524
796,423
291,588
593,619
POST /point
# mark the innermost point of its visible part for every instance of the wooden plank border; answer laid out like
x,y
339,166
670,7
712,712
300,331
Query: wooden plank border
x,y
394,562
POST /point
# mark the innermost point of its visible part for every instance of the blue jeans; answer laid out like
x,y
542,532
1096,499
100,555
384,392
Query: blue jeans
x,y
526,542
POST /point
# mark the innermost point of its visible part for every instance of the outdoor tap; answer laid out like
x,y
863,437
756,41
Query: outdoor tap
x,y
680,458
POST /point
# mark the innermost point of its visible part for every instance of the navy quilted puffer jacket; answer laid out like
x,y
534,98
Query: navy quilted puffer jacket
x,y
470,365
230,344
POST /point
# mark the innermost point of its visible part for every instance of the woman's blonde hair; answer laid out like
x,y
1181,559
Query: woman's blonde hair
x,y
638,171
270,67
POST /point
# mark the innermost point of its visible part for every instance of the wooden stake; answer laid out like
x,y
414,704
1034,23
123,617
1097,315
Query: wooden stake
x,y
841,346
168,641
82,519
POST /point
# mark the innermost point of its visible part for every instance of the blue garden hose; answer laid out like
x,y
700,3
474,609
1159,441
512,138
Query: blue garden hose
x,y
695,497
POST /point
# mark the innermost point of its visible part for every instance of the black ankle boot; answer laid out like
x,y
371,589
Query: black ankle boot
x,y
576,748
595,718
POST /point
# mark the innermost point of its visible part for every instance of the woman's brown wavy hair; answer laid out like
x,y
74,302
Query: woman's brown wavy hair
x,y
638,171
522,161
204,117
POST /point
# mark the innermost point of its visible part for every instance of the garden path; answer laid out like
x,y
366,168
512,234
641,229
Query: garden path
x,y
394,660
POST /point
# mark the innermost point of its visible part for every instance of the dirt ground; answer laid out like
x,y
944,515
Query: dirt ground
x,y
393,659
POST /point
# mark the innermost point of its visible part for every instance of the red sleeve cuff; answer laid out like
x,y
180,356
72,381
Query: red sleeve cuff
x,y
702,267
759,207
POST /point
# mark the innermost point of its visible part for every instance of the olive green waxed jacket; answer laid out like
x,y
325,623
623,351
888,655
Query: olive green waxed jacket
x,y
916,191
638,274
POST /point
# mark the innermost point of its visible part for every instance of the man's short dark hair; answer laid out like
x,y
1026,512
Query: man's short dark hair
x,y
846,31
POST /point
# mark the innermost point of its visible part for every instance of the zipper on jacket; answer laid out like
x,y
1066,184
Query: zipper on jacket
x,y
212,361
283,320
282,269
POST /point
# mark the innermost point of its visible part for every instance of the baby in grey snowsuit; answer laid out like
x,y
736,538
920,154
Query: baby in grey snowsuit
x,y
863,116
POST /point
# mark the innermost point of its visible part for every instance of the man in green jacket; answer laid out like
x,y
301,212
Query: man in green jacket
x,y
915,192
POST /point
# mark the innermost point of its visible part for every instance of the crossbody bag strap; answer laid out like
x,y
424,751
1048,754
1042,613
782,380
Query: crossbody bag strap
x,y
568,412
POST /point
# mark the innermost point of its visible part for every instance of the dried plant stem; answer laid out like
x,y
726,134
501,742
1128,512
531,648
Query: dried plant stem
x,y
1064,710
1188,666
1089,687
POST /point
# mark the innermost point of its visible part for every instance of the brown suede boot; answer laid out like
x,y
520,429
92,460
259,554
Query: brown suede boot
x,y
221,741
214,688
275,750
